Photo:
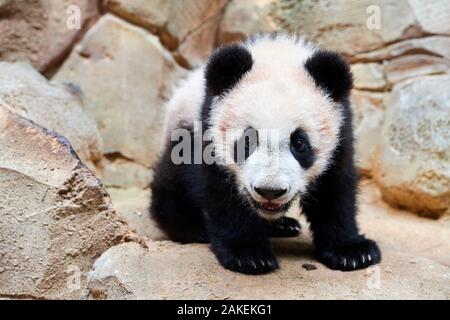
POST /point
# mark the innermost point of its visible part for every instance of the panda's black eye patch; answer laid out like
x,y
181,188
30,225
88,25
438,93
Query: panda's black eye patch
x,y
301,148
245,145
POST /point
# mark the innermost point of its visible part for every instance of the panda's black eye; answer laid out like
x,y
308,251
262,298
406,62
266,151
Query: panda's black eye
x,y
299,145
301,148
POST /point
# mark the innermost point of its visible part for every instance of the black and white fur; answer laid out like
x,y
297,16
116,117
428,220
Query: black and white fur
x,y
268,82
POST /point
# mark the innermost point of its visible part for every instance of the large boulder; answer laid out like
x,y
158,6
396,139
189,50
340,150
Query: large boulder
x,y
55,215
42,31
189,26
125,75
348,26
413,162
59,108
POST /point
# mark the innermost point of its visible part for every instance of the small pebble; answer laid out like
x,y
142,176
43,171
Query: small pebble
x,y
309,266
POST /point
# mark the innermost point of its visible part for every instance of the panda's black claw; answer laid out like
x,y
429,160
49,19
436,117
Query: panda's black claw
x,y
262,262
248,260
352,256
344,262
283,228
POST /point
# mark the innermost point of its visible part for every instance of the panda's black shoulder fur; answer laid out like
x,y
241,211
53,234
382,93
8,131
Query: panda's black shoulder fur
x,y
201,203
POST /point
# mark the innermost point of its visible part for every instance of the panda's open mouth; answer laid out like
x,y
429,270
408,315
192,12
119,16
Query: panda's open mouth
x,y
269,206
272,207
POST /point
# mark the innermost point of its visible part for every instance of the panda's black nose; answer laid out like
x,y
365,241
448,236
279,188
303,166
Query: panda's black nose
x,y
270,194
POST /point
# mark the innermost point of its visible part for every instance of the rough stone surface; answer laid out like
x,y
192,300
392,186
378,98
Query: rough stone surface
x,y
187,16
123,173
413,163
369,76
433,16
243,18
368,109
125,75
197,46
27,25
433,45
412,66
59,108
348,26
172,20
132,204
125,272
56,217
150,14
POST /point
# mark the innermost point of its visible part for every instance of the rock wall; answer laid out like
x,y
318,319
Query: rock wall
x,y
110,65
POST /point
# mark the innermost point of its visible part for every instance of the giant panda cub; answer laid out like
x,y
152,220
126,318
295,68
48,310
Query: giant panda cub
x,y
273,113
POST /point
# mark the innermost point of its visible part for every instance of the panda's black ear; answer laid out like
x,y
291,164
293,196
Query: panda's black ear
x,y
331,72
225,68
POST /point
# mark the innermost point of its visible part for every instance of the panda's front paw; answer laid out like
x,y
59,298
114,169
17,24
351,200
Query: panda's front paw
x,y
249,259
351,256
284,227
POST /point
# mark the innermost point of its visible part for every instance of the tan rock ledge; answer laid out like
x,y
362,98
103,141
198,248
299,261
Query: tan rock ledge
x,y
171,271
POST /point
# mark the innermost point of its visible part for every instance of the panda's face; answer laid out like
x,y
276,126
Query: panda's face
x,y
277,100
276,132
274,171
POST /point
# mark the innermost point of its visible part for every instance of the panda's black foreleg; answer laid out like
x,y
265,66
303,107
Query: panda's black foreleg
x,y
283,227
238,235
331,210
172,204
243,246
